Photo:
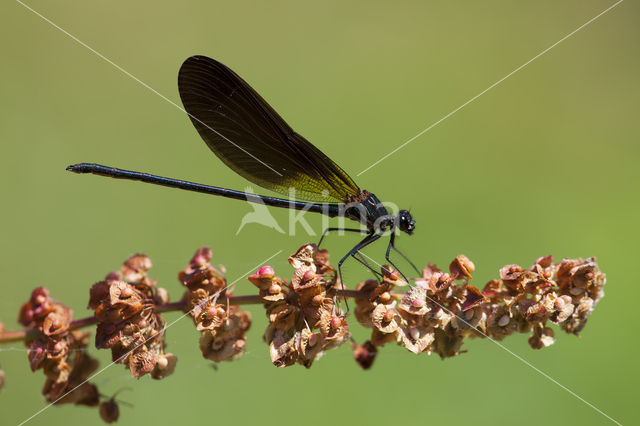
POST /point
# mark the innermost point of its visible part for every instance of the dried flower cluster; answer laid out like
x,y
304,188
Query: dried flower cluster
x,y
59,352
433,316
124,304
442,309
222,326
436,314
524,300
304,321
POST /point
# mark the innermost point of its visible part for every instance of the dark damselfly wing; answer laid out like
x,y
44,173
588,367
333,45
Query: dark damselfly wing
x,y
252,139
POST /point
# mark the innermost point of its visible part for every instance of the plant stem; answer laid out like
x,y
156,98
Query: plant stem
x,y
18,335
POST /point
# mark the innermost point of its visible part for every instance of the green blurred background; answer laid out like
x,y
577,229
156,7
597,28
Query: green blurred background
x,y
546,162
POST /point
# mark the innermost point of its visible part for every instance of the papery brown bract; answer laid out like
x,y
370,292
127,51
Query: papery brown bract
x,y
417,336
385,318
461,267
165,366
310,346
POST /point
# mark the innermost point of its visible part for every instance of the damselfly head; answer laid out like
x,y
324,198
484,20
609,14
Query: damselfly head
x,y
406,222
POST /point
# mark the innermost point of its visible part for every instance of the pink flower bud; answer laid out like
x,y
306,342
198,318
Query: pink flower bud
x,y
126,292
274,289
308,276
266,272
336,322
417,303
388,316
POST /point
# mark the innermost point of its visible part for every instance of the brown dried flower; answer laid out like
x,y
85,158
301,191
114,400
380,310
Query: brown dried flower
x,y
364,354
435,315
461,267
305,322
59,352
109,411
222,326
125,304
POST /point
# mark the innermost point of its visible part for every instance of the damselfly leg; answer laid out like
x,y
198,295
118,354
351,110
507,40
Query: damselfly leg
x,y
326,231
362,244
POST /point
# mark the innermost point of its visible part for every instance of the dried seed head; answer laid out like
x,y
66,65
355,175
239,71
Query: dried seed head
x,y
55,324
364,354
274,289
545,261
318,300
541,338
165,366
202,256
462,267
414,301
304,257
109,411
385,319
162,296
417,339
385,297
504,320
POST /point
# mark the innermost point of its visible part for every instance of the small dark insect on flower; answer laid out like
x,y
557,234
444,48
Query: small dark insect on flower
x,y
435,315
